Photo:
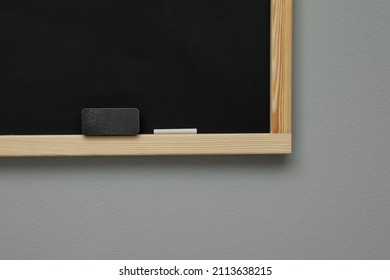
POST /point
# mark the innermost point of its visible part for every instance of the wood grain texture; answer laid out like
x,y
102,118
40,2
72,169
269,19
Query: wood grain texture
x,y
199,144
281,66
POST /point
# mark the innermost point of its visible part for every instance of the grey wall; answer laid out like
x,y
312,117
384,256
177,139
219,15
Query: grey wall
x,y
330,200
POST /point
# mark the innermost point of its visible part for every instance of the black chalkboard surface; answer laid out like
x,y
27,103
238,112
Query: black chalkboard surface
x,y
183,63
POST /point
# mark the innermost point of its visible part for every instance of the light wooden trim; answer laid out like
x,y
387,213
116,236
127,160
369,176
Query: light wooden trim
x,y
281,65
276,142
148,144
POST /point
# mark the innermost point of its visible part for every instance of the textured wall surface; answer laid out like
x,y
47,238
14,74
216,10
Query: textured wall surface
x,y
329,200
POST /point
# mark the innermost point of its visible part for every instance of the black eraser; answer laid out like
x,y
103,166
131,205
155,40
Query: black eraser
x,y
110,121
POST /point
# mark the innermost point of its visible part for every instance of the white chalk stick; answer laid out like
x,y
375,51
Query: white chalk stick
x,y
176,131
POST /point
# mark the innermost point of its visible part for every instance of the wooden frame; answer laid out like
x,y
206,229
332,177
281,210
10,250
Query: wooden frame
x,y
277,142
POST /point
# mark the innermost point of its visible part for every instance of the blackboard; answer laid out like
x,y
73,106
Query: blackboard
x,y
201,64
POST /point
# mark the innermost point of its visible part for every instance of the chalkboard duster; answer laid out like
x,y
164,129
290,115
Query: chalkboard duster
x,y
110,122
